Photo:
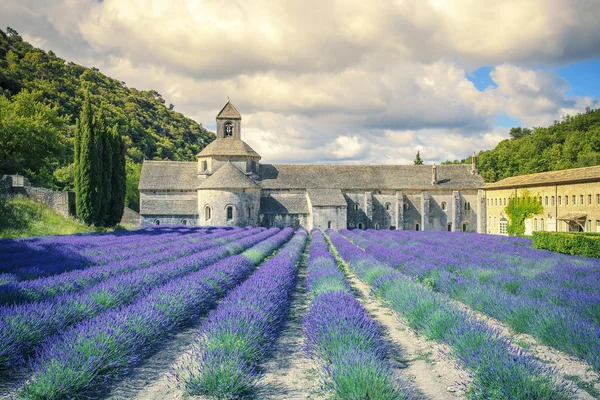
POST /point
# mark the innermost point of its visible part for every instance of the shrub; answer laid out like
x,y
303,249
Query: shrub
x,y
580,244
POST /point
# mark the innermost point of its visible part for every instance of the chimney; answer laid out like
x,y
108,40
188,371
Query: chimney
x,y
474,164
434,174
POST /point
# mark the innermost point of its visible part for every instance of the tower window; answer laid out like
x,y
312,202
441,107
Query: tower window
x,y
387,206
329,224
443,205
249,211
204,166
228,129
229,212
355,206
207,213
449,226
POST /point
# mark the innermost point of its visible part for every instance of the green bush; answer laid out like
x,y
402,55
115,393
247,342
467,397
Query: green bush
x,y
575,243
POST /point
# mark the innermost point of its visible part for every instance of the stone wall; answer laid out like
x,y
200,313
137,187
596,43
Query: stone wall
x,y
61,202
169,219
334,217
245,203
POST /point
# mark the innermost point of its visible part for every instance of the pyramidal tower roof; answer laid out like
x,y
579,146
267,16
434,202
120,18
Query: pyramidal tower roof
x,y
229,111
228,177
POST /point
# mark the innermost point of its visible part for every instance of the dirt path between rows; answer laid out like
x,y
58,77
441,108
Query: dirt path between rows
x,y
289,374
425,364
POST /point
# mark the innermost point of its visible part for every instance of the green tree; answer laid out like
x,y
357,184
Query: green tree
x,y
84,162
418,160
118,178
132,196
106,170
519,209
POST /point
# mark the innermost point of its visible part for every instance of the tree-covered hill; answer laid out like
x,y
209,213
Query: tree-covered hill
x,y
573,142
41,97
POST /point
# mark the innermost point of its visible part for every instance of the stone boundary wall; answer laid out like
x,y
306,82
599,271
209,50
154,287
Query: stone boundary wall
x,y
61,202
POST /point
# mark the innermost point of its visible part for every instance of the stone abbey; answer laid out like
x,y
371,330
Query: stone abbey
x,y
228,185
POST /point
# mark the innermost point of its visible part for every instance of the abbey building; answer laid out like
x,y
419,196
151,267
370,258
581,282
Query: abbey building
x,y
228,185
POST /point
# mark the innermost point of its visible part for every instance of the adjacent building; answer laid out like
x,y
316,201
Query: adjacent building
x,y
228,185
570,199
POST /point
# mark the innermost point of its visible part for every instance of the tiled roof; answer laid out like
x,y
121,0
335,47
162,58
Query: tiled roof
x,y
168,175
284,203
366,177
229,111
169,205
228,176
228,147
587,174
326,197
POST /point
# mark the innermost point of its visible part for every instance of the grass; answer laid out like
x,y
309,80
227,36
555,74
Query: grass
x,y
22,217
584,385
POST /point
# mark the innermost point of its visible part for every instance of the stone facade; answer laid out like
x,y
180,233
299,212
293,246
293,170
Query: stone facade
x,y
229,181
570,200
61,202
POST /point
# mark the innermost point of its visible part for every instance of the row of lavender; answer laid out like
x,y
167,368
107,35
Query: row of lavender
x,y
341,336
56,258
570,325
73,281
24,327
97,349
239,333
499,369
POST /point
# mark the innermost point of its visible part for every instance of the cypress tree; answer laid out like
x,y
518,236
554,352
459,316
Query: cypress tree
x,y
95,170
84,152
118,183
107,172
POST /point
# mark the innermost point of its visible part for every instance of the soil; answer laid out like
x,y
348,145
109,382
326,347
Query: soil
x,y
289,374
430,372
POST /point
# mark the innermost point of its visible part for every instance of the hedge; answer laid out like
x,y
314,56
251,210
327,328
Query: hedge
x,y
580,244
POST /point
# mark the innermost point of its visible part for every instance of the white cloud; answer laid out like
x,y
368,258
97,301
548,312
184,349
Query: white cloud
x,y
333,81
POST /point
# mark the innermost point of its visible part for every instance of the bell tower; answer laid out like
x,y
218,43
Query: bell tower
x,y
229,122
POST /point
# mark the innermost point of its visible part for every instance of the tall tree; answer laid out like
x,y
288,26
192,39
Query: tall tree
x,y
84,153
418,160
118,178
107,169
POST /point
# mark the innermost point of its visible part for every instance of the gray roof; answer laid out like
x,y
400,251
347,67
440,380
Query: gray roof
x,y
284,203
228,176
169,206
168,175
326,197
229,111
228,147
366,177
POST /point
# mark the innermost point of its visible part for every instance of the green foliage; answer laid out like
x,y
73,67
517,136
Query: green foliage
x,y
519,209
32,135
573,142
118,181
84,163
132,194
574,243
418,160
21,217
41,96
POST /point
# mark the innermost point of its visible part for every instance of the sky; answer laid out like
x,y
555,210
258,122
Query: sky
x,y
340,81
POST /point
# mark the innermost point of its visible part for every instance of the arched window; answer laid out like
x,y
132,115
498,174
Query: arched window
x,y
552,200
535,224
356,206
376,227
249,211
228,129
204,166
542,224
443,205
494,222
449,226
184,221
387,206
360,225
417,227
156,222
328,224
465,227
229,212
406,206
467,205
207,213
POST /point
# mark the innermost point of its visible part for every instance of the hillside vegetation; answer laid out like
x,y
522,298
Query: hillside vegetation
x,y
40,98
573,142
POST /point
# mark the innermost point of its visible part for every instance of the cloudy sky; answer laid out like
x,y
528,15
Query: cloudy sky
x,y
346,81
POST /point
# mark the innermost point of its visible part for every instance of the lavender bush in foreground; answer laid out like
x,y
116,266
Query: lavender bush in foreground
x,y
104,347
239,333
499,370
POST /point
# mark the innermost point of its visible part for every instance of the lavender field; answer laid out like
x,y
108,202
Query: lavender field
x,y
186,312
